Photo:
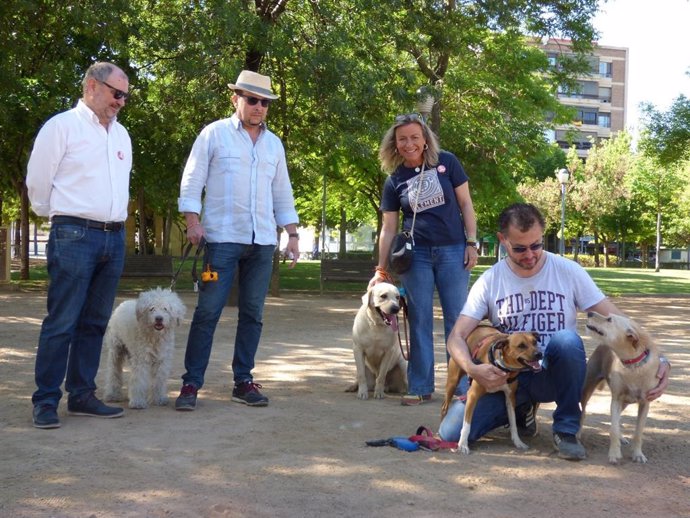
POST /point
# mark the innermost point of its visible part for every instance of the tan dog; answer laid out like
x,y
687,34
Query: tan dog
x,y
628,362
513,353
380,365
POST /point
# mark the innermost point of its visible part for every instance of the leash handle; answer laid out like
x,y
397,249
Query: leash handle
x,y
187,250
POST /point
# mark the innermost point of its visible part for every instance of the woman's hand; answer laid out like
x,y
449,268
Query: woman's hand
x,y
471,257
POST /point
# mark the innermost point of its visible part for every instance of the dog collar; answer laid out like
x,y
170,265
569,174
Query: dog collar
x,y
496,359
637,362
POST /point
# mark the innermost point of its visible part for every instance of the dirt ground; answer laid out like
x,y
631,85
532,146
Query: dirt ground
x,y
305,454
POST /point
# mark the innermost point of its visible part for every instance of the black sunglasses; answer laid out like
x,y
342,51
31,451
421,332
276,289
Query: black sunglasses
x,y
522,249
251,101
117,94
409,117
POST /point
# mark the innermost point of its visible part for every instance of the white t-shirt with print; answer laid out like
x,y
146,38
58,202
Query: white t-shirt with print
x,y
546,302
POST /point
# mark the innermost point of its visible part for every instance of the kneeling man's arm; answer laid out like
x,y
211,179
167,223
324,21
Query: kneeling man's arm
x,y
487,375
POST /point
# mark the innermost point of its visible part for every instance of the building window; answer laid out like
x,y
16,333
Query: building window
x,y
675,255
605,69
605,120
586,116
605,94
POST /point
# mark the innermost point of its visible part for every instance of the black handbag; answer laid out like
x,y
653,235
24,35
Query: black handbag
x,y
402,247
400,256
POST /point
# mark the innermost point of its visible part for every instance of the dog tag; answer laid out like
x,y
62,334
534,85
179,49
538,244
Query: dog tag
x,y
196,286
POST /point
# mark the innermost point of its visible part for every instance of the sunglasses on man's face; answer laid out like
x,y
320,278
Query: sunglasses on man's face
x,y
117,94
251,101
522,249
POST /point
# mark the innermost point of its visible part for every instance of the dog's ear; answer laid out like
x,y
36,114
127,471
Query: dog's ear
x,y
366,298
632,335
536,336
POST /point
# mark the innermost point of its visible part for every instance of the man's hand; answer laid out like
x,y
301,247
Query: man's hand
x,y
195,232
488,376
662,374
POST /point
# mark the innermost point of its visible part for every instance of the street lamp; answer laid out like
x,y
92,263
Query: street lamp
x,y
562,175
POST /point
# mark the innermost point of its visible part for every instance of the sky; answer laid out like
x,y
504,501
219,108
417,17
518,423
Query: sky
x,y
656,35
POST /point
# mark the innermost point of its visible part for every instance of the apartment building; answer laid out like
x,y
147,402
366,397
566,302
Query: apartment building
x,y
599,99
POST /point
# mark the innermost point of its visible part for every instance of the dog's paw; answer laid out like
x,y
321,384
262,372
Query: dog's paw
x,y
363,394
464,449
638,456
134,403
161,401
614,457
379,394
520,445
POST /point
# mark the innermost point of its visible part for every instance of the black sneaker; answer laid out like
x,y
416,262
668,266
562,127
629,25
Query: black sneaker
x,y
247,392
90,405
45,416
186,401
526,420
568,446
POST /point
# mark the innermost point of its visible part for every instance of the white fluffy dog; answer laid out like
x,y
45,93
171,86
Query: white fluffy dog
x,y
142,330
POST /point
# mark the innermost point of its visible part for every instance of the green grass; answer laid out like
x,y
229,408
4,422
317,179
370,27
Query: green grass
x,y
305,277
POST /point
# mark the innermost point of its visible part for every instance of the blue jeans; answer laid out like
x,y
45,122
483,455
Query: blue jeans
x,y
560,380
439,267
84,265
254,264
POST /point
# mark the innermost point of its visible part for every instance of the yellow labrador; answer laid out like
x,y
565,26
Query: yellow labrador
x,y
380,365
627,361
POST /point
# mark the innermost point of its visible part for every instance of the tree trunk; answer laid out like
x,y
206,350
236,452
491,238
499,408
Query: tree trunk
x,y
596,249
342,245
658,242
605,242
24,272
141,209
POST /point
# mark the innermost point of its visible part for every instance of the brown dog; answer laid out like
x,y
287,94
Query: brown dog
x,y
628,360
512,353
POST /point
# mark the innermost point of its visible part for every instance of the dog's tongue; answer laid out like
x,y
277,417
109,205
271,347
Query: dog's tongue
x,y
392,320
535,366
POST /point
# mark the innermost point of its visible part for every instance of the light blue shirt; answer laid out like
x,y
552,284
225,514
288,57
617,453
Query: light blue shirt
x,y
247,187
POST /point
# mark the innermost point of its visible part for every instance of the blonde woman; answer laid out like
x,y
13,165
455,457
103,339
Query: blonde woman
x,y
431,182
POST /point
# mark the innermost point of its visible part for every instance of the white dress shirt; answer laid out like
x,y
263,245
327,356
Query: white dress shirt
x,y
79,169
247,187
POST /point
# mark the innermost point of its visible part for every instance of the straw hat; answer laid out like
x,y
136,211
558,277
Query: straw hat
x,y
254,83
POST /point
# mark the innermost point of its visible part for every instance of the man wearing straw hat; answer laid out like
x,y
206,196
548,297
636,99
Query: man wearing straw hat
x,y
240,167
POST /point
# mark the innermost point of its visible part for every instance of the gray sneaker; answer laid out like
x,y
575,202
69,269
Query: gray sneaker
x,y
247,392
186,401
568,446
45,416
90,405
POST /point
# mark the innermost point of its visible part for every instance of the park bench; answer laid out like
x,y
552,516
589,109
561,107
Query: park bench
x,y
148,266
346,270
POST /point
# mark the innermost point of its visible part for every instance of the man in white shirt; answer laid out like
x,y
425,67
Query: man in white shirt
x,y
240,168
531,290
78,176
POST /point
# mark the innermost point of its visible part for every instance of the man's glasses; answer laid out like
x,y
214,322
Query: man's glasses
x,y
409,117
117,94
251,101
522,249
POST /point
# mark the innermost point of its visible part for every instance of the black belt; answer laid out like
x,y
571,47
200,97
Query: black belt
x,y
106,226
